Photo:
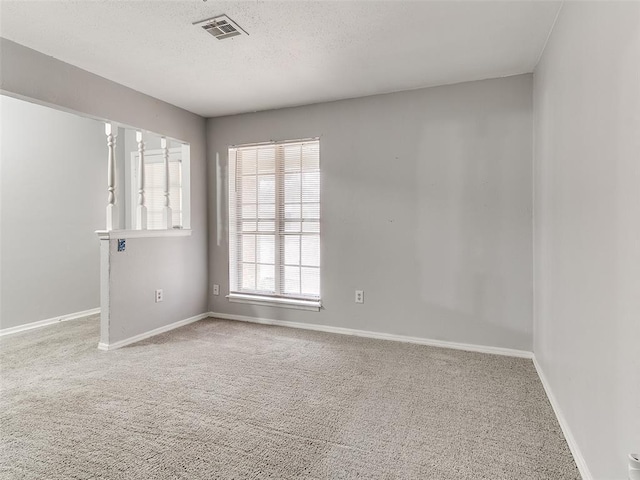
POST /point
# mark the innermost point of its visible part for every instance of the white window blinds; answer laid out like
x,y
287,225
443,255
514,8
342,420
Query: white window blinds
x,y
154,174
274,219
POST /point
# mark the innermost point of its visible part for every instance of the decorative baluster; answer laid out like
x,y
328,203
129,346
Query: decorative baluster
x,y
167,218
141,210
111,130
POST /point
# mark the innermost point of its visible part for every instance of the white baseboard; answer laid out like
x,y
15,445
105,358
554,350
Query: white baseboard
x,y
49,321
571,441
380,336
151,333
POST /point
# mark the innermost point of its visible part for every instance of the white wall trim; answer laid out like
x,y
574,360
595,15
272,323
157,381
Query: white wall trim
x,y
49,321
380,336
564,425
151,333
309,305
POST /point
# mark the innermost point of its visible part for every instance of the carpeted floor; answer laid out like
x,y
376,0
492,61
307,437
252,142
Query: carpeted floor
x,y
228,400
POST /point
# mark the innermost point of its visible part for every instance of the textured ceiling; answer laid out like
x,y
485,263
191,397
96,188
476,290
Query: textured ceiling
x,y
296,52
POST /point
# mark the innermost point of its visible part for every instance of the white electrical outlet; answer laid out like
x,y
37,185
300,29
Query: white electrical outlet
x,y
216,289
159,296
359,296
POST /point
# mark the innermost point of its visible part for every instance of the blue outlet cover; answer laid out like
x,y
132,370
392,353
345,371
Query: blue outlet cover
x,y
122,243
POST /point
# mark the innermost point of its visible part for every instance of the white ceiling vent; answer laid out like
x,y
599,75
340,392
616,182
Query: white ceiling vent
x,y
221,27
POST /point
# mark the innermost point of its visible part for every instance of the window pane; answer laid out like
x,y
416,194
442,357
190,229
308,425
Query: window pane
x,y
154,220
311,227
266,227
266,249
248,248
176,217
310,280
310,156
291,226
154,190
311,210
310,250
292,280
154,200
175,189
266,189
292,187
267,160
248,226
266,278
247,160
267,210
249,276
292,210
292,250
248,189
311,187
249,211
292,158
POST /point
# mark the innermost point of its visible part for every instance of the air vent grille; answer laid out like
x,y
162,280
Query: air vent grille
x,y
221,27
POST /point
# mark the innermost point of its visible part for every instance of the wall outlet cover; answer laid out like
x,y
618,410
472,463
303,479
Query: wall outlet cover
x,y
216,289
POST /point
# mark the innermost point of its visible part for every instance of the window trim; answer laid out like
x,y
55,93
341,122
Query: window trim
x,y
273,301
274,142
276,299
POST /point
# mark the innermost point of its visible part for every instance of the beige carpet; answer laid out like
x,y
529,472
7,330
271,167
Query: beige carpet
x,y
229,400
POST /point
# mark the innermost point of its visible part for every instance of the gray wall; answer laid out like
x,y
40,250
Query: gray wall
x,y
46,80
587,227
426,201
53,197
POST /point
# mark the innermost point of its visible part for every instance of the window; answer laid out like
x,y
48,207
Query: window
x,y
154,179
154,187
274,223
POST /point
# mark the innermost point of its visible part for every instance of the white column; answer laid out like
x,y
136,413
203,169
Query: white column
x,y
141,210
111,130
167,218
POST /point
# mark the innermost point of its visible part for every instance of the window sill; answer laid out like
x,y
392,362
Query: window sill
x,y
174,232
310,305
